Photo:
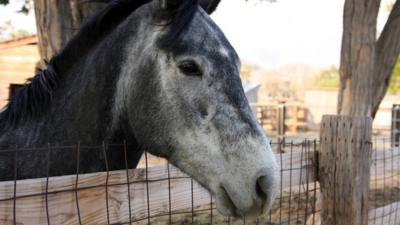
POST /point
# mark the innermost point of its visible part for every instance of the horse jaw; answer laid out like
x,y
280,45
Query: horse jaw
x,y
230,172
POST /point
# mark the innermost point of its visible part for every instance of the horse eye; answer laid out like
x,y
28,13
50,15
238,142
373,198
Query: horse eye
x,y
190,68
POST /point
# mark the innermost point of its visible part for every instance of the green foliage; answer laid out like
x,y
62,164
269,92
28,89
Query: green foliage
x,y
389,6
327,78
26,6
245,73
394,85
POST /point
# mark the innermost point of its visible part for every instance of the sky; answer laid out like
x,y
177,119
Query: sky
x,y
19,20
270,35
285,32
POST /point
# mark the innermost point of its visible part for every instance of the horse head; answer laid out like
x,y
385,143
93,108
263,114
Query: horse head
x,y
180,92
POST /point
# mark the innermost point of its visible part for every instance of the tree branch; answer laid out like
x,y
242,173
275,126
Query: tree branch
x,y
387,50
357,57
209,5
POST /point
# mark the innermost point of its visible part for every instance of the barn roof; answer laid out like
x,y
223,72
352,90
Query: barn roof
x,y
250,86
19,42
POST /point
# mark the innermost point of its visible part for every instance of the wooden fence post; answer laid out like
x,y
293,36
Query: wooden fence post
x,y
344,169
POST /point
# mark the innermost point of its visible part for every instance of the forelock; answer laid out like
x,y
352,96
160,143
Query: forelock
x,y
176,18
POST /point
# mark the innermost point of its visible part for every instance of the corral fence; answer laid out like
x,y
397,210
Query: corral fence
x,y
149,195
282,117
395,126
345,177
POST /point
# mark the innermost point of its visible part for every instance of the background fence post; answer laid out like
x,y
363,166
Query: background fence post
x,y
281,126
344,169
395,127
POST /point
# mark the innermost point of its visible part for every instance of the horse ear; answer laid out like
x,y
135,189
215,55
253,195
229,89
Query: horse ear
x,y
168,4
164,4
209,5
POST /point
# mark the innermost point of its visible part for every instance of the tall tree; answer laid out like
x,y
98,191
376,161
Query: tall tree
x,y
58,20
366,62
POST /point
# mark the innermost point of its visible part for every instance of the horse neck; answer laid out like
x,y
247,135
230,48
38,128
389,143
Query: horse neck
x,y
80,109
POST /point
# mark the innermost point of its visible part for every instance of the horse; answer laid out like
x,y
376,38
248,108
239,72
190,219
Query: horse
x,y
161,77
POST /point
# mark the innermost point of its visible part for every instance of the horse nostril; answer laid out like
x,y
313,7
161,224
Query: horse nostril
x,y
203,111
262,187
267,186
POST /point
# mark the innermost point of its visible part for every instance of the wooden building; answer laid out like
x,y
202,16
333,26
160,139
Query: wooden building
x,y
18,60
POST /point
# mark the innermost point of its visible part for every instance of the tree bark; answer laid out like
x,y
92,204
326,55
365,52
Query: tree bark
x,y
387,52
357,57
344,169
58,20
366,63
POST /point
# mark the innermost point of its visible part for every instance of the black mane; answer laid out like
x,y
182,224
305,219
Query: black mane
x,y
33,99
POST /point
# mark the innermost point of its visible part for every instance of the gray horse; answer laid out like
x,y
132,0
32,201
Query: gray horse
x,y
162,77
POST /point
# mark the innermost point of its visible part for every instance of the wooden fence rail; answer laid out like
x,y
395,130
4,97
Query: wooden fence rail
x,y
385,162
61,206
31,207
387,215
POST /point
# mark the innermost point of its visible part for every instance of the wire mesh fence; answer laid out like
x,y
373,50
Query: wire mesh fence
x,y
158,193
384,192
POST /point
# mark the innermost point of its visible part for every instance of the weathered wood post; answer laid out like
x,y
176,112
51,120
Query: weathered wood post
x,y
395,128
344,169
281,126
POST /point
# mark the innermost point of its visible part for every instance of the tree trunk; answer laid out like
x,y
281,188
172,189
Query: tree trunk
x,y
58,20
387,52
357,57
366,63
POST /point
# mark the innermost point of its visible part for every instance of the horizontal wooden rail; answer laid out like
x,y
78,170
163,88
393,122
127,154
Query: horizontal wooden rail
x,y
385,161
387,215
61,206
297,168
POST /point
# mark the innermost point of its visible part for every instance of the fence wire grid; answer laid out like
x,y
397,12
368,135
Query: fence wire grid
x,y
158,193
384,189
